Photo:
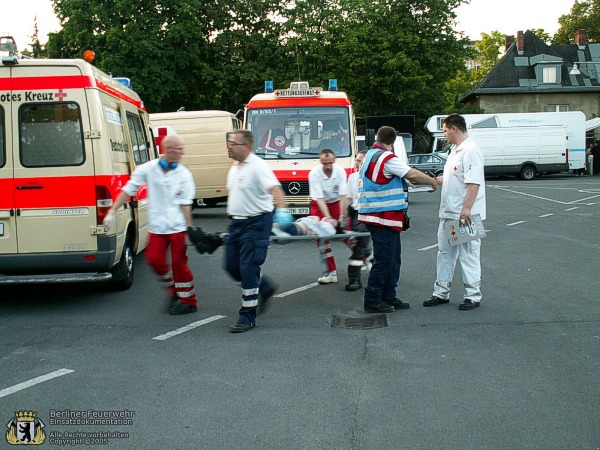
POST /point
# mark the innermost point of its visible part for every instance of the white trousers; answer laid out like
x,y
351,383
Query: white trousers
x,y
469,256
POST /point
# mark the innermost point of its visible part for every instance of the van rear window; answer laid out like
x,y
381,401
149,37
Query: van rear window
x,y
51,135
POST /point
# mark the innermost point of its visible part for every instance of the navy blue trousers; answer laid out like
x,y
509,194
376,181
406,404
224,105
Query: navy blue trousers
x,y
245,251
385,273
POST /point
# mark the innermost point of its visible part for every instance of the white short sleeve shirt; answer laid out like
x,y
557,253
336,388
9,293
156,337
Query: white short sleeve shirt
x,y
353,189
250,184
328,188
464,166
167,192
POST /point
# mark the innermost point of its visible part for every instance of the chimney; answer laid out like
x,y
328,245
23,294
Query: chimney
x,y
581,38
508,41
520,43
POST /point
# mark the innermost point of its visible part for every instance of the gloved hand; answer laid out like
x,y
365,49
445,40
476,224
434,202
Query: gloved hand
x,y
204,242
195,234
109,219
282,217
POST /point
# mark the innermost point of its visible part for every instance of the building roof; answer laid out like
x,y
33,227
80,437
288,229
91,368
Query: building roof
x,y
520,71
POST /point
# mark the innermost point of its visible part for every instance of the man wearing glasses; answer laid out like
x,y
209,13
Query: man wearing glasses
x,y
171,192
252,188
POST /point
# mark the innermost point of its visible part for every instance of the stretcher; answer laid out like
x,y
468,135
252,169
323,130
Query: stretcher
x,y
344,235
209,242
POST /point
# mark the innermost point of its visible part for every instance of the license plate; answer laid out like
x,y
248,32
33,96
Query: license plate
x,y
299,211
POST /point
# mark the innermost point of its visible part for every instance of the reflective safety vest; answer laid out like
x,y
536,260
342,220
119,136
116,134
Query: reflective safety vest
x,y
381,200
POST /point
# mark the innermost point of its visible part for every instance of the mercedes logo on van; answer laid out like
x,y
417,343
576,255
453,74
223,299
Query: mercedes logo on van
x,y
294,188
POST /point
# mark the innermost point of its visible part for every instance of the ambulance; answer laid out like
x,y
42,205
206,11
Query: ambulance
x,y
206,156
70,135
292,126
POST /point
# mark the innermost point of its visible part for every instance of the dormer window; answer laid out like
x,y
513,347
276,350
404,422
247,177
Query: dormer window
x,y
549,75
547,69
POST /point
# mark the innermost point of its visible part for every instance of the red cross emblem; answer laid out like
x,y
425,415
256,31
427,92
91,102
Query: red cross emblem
x,y
162,132
60,95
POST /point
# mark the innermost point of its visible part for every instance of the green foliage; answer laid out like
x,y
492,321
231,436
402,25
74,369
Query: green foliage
x,y
391,56
584,14
539,32
489,51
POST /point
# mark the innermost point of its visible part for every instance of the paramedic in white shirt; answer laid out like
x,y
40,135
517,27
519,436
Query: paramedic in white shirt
x,y
171,191
463,195
252,187
327,186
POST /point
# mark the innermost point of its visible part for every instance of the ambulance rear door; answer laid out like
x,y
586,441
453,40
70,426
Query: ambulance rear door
x,y
8,237
54,186
142,152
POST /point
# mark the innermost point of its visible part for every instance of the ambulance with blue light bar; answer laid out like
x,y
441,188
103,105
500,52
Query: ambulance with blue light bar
x,y
70,135
292,126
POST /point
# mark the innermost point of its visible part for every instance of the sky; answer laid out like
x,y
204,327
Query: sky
x,y
479,16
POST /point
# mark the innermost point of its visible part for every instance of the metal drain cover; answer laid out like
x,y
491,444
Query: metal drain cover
x,y
359,323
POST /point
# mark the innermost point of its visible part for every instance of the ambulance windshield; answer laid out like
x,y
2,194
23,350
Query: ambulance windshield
x,y
300,132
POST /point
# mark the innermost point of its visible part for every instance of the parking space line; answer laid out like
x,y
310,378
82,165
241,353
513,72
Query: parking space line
x,y
571,209
294,291
427,248
34,381
546,215
189,327
515,223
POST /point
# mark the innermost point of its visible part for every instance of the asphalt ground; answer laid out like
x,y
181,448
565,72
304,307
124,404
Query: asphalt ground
x,y
521,371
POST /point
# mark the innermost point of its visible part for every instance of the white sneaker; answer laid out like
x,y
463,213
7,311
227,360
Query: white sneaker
x,y
328,277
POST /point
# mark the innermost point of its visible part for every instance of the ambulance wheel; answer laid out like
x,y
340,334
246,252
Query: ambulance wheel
x,y
527,173
123,272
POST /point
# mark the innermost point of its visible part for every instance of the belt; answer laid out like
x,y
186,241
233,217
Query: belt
x,y
245,217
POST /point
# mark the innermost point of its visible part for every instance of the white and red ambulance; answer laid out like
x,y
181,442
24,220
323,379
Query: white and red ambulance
x,y
293,125
70,135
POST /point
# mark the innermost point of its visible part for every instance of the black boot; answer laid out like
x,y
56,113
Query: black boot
x,y
354,281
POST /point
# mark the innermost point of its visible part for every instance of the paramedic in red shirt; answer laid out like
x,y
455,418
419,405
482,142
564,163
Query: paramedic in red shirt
x,y
171,192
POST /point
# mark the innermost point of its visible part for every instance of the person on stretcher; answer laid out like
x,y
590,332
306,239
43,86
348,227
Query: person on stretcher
x,y
309,226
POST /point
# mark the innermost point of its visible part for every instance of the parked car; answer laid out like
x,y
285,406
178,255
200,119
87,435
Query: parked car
x,y
427,162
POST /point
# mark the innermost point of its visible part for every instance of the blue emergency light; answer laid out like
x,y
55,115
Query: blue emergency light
x,y
269,87
333,84
124,81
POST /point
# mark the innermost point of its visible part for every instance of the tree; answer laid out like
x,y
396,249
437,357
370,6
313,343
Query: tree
x,y
539,32
481,58
162,46
37,49
391,56
584,14
488,53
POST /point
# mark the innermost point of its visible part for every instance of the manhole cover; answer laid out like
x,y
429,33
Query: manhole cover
x,y
359,323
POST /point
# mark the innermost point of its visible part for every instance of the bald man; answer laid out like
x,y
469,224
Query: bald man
x,y
171,192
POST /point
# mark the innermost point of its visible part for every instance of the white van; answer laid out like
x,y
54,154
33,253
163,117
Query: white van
x,y
204,135
523,144
70,135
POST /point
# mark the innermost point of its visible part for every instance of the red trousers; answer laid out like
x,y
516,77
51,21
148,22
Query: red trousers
x,y
327,259
176,279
